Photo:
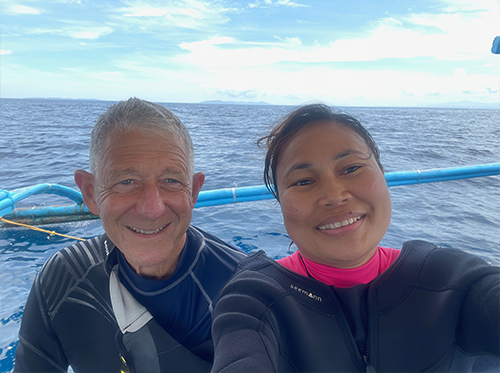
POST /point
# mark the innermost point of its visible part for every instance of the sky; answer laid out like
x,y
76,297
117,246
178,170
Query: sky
x,y
290,52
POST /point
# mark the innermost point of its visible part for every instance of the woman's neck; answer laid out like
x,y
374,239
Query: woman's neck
x,y
342,277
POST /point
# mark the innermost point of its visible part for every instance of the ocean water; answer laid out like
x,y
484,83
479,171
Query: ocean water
x,y
44,141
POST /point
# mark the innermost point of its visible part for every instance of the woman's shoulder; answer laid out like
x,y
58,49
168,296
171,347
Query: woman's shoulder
x,y
264,280
258,265
442,266
254,261
256,268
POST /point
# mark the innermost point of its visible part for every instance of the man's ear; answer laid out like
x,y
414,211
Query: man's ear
x,y
85,182
198,180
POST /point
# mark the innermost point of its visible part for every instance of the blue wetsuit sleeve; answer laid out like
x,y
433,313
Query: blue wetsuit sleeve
x,y
479,329
243,334
39,349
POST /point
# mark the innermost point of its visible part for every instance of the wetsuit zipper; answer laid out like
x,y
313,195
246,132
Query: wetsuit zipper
x,y
369,367
366,357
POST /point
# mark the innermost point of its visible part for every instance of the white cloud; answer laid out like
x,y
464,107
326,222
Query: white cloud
x,y
96,75
468,5
2,52
340,87
275,3
67,1
464,31
287,69
14,9
86,33
191,14
77,32
456,35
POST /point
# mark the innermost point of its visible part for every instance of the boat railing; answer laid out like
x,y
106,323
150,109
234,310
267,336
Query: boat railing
x,y
78,211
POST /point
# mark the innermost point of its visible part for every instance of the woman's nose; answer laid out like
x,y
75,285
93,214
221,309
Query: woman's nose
x,y
332,192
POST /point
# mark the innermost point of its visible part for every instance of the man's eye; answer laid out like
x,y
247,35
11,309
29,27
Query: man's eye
x,y
172,184
125,186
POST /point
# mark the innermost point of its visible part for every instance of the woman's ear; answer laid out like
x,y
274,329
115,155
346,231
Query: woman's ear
x,y
85,182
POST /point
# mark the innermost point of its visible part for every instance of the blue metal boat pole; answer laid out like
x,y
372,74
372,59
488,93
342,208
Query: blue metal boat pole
x,y
78,211
441,174
257,193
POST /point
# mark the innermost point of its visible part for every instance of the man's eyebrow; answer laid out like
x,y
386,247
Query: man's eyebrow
x,y
306,165
125,171
170,170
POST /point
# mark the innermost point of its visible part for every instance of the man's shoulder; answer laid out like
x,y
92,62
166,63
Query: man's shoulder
x,y
214,246
73,262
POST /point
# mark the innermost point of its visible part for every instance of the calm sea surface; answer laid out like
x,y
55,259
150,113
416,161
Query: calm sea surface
x,y
44,141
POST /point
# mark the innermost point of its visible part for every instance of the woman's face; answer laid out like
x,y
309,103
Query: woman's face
x,y
334,199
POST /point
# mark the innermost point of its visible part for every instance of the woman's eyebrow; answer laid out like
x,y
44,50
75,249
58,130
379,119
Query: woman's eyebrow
x,y
306,165
298,166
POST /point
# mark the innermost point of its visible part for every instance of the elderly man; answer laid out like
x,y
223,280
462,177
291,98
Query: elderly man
x,y
139,297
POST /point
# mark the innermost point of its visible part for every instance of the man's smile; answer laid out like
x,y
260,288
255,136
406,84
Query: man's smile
x,y
144,231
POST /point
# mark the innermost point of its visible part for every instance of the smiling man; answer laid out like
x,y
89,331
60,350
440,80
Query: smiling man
x,y
140,296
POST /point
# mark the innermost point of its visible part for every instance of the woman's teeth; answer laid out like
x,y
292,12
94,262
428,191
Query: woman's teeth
x,y
142,231
339,224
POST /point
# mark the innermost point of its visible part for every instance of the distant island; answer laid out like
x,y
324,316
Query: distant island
x,y
463,105
62,99
220,102
444,105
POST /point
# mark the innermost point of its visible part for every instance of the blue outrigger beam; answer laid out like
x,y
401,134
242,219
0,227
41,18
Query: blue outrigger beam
x,y
78,211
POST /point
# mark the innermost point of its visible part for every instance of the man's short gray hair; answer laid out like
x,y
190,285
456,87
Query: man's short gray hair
x,y
137,114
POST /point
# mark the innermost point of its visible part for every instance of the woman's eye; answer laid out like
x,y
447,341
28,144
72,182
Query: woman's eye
x,y
351,169
302,182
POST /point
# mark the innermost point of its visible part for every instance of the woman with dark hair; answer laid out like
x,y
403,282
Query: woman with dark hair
x,y
341,302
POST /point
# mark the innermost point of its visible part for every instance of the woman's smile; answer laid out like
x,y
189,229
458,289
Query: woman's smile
x,y
339,224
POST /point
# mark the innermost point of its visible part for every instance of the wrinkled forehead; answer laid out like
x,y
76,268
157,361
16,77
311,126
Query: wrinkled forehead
x,y
155,143
112,138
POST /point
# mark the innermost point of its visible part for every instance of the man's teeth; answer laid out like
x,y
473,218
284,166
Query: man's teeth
x,y
142,231
339,224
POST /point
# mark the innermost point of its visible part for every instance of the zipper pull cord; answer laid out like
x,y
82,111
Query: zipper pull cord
x,y
369,367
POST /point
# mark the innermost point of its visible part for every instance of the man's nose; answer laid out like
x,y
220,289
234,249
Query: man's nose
x,y
151,204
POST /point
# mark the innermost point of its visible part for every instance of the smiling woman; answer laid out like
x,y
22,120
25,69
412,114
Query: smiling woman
x,y
341,302
333,194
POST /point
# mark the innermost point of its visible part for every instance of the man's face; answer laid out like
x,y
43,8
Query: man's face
x,y
144,195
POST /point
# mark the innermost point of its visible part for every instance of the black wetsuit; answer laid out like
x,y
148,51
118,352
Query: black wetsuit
x,y
432,310
79,312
